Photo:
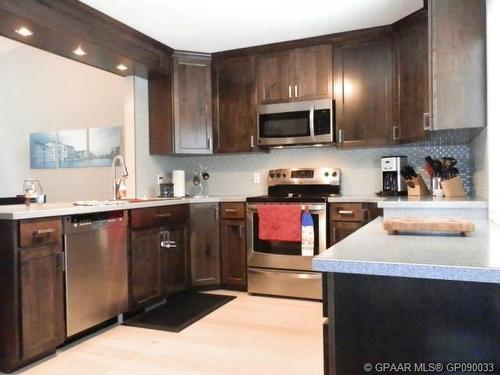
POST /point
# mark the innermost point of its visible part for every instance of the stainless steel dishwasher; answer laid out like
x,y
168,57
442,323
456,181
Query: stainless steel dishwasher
x,y
96,269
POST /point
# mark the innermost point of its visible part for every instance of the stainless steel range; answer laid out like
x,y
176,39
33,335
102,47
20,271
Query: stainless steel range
x,y
279,267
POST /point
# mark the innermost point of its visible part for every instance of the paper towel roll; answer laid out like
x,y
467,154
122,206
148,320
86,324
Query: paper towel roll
x,y
179,180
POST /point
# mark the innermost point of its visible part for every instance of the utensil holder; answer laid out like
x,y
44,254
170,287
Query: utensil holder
x,y
453,187
417,187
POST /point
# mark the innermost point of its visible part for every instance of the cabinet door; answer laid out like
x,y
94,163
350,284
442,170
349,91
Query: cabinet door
x,y
363,90
205,244
144,281
192,106
458,63
173,262
340,230
275,75
233,245
413,68
312,72
161,132
42,300
236,109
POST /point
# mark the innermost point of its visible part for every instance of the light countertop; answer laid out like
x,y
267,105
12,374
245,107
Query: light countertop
x,y
20,211
432,202
371,251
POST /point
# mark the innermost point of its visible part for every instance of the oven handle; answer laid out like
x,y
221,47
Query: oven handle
x,y
314,207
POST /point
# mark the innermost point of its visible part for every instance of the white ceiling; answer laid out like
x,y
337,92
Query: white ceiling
x,y
218,25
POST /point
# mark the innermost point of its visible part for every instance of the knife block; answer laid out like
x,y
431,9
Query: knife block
x,y
417,187
453,187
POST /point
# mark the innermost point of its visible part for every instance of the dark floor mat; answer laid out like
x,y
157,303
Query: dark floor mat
x,y
179,311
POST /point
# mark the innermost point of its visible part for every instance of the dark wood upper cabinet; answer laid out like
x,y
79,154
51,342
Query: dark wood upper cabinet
x,y
145,277
42,300
275,75
235,104
296,74
234,257
205,244
161,134
412,53
364,92
457,63
312,72
192,104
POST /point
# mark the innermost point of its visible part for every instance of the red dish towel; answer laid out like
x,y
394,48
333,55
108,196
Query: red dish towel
x,y
280,223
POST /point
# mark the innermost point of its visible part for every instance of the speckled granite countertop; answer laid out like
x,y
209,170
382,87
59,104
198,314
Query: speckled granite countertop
x,y
371,251
20,211
431,202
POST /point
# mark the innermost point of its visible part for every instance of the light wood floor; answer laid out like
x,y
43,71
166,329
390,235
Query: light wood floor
x,y
249,335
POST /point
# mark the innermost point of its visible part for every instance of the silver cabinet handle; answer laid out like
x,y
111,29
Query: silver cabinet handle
x,y
230,210
252,141
395,130
241,230
216,212
165,240
296,91
426,120
41,232
334,239
341,136
290,91
209,143
346,212
161,216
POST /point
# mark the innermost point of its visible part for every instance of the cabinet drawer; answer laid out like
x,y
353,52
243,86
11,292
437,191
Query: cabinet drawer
x,y
232,210
40,232
348,212
158,216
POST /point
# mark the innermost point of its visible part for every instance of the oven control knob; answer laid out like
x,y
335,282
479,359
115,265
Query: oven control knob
x,y
334,174
271,175
284,175
278,175
327,174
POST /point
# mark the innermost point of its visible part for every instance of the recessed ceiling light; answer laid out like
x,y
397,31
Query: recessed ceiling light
x,y
80,51
121,67
24,31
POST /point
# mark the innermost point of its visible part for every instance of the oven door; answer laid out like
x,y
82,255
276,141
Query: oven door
x,y
296,123
284,255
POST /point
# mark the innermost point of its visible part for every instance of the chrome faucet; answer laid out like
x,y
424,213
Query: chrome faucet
x,y
117,158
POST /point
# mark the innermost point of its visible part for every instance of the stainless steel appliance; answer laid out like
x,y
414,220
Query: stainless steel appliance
x,y
96,269
296,123
392,175
279,268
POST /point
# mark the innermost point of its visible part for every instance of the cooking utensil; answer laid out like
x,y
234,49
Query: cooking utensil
x,y
429,170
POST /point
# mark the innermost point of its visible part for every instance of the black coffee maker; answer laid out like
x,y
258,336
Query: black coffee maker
x,y
392,178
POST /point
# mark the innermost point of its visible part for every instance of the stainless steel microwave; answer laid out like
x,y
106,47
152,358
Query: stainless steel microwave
x,y
296,123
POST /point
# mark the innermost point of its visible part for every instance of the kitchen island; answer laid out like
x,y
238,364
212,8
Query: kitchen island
x,y
412,299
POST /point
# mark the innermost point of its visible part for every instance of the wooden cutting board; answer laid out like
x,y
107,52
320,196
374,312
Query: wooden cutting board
x,y
443,225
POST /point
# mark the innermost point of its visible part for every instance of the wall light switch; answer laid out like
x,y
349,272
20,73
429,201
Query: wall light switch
x,y
256,178
159,179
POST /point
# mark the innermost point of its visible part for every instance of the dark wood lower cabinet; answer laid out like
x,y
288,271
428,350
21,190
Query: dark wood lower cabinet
x,y
205,244
158,264
233,247
42,300
145,278
173,260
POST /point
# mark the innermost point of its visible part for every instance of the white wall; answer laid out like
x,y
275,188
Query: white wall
x,y
480,158
40,91
493,30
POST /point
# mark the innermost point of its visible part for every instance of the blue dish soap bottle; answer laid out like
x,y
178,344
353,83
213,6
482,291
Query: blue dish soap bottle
x,y
307,234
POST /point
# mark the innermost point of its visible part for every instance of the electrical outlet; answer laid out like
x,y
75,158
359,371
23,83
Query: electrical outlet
x,y
256,178
159,179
